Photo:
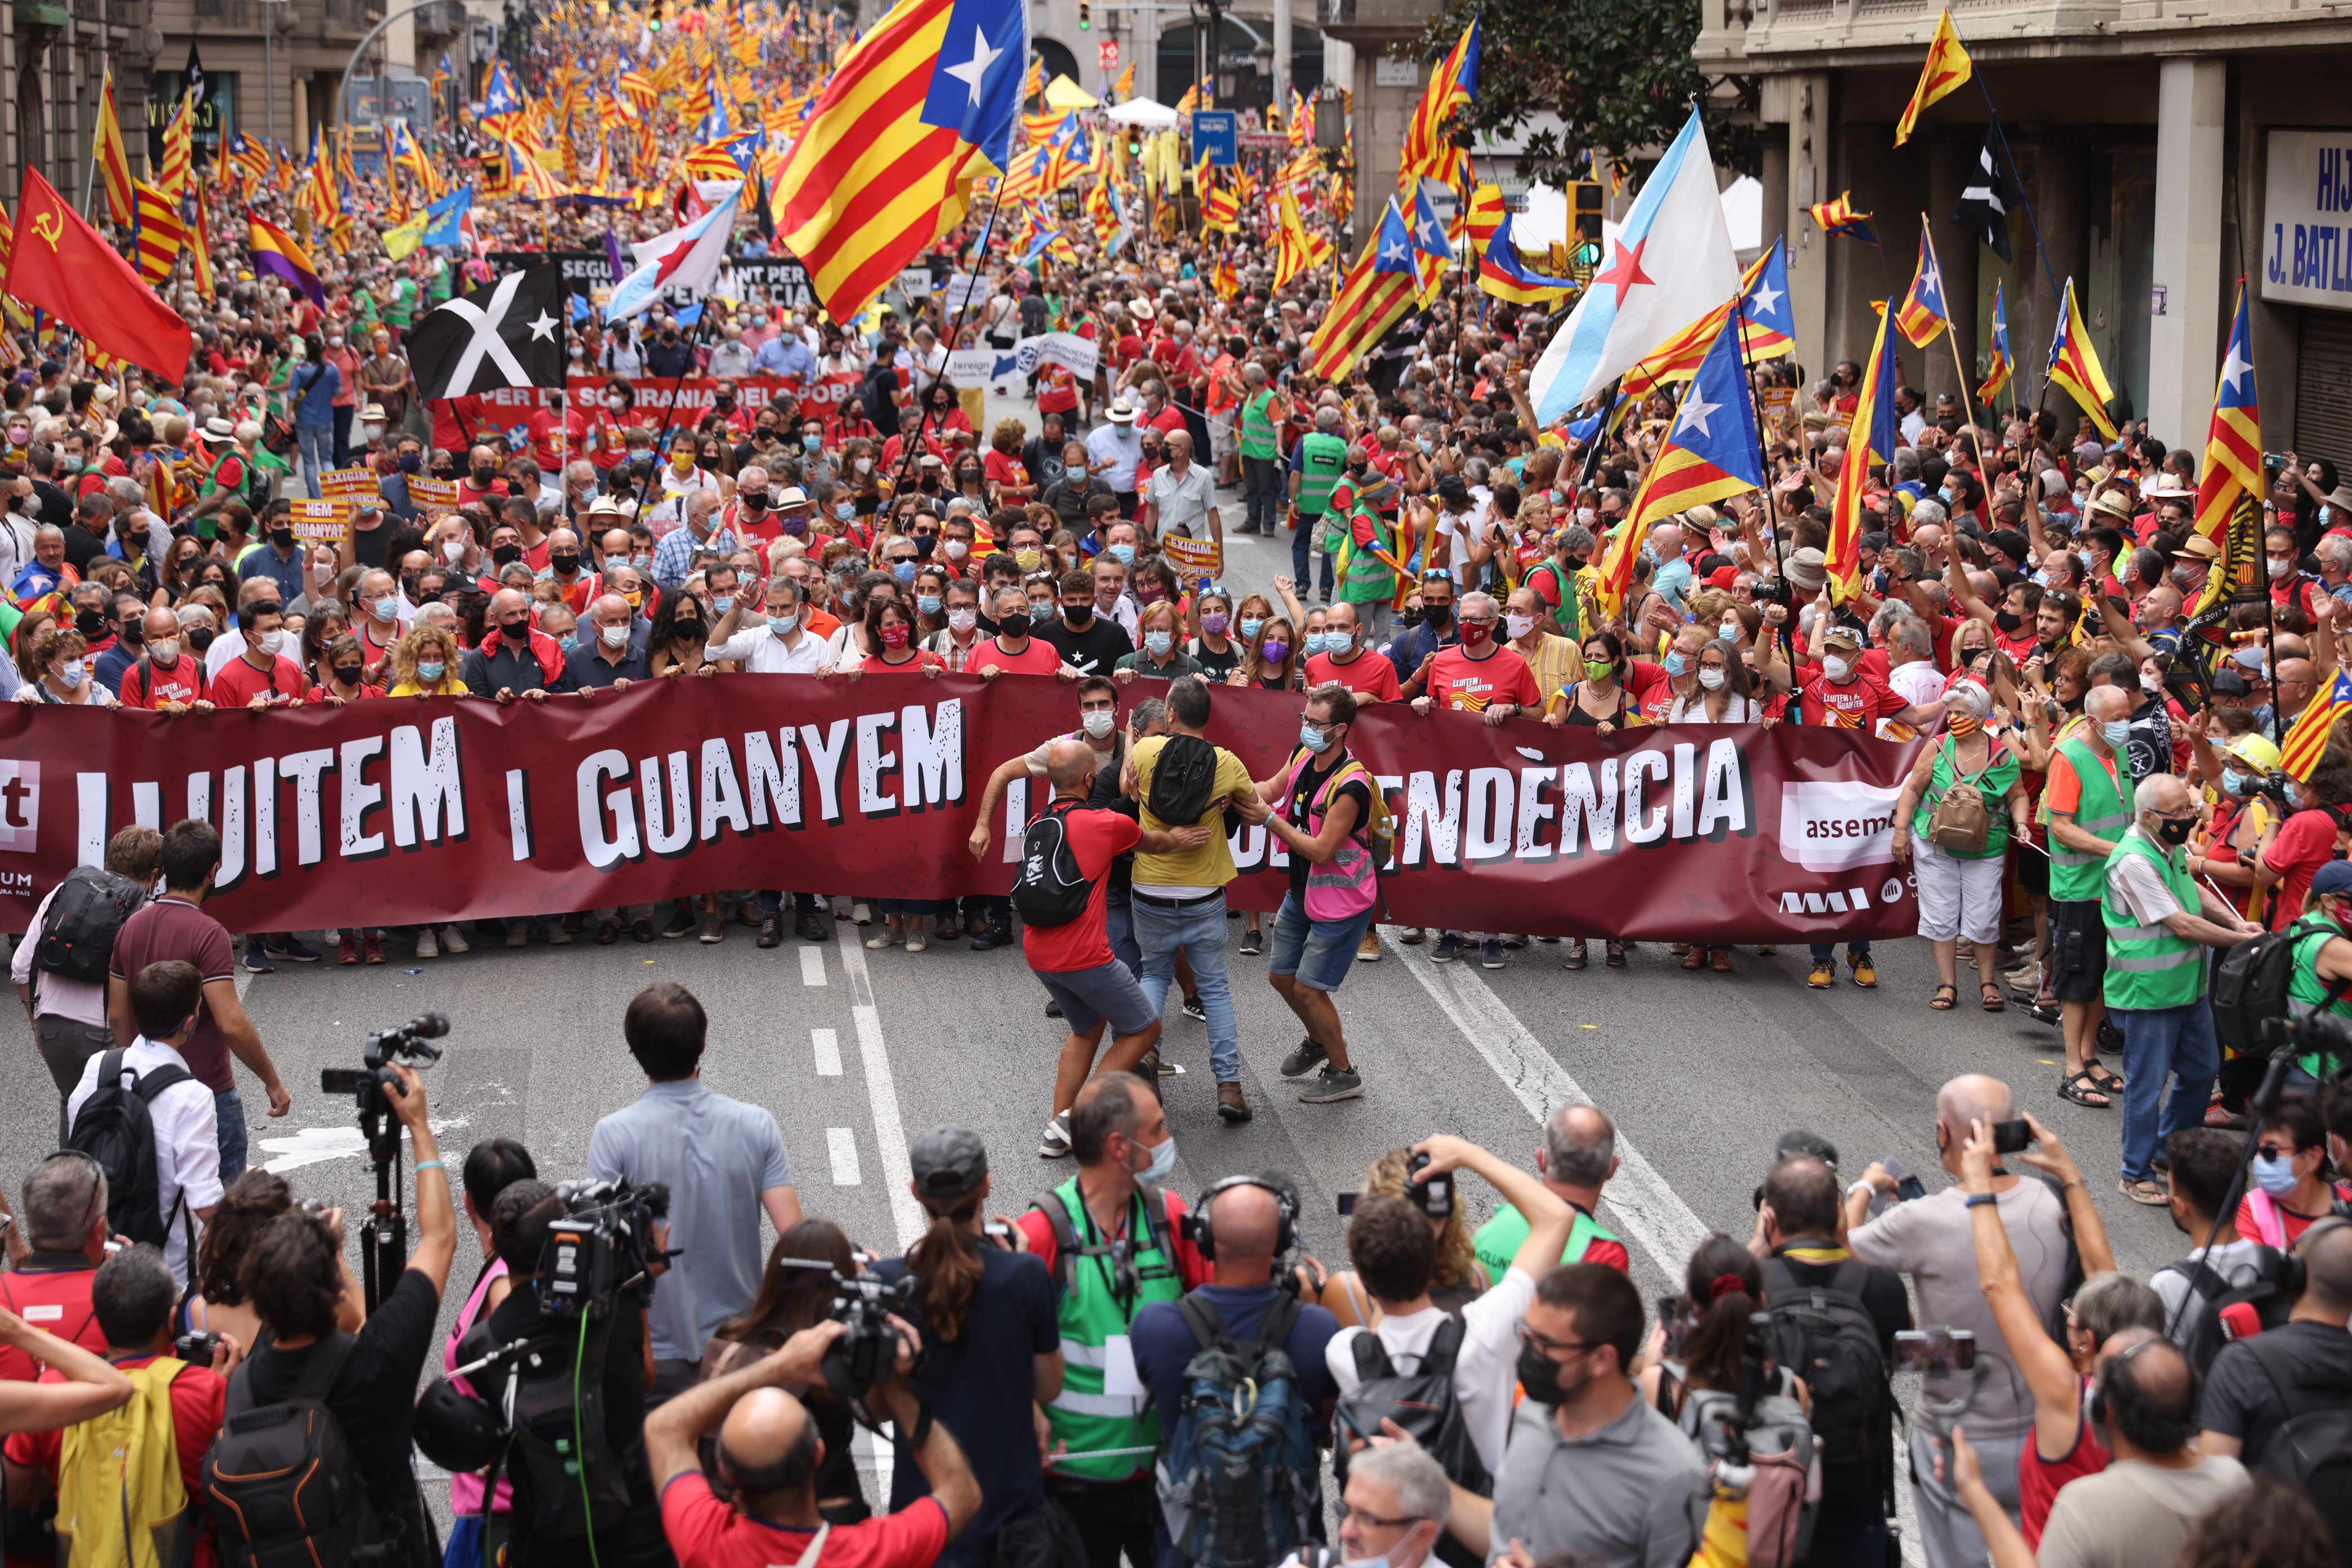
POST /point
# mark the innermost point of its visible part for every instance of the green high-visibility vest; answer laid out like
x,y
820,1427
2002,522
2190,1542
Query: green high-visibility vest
x,y
2305,991
1258,439
1371,579
2150,966
2075,876
1498,1241
1093,1311
1322,459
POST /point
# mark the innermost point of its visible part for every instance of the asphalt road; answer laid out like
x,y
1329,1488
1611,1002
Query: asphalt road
x,y
857,1053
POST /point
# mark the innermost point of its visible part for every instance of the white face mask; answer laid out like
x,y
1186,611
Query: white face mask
x,y
1098,721
73,672
1837,668
270,642
962,620
452,551
2280,566
2152,684
1713,680
164,650
1518,626
613,636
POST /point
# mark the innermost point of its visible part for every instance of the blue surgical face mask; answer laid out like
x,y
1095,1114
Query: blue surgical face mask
x,y
2233,781
927,603
1157,644
845,510
2118,732
1122,553
1315,644
2276,1174
783,624
1250,625
1313,738
1162,1164
1676,664
723,603
429,670
811,442
903,571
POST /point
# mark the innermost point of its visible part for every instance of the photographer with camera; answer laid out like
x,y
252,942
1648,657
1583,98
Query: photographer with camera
x,y
770,1453
723,1162
993,1356
294,1277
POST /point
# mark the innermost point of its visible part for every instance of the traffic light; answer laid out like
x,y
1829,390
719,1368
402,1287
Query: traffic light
x,y
1086,16
654,17
1587,225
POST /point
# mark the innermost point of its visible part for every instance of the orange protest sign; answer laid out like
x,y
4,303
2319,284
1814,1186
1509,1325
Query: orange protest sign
x,y
1193,558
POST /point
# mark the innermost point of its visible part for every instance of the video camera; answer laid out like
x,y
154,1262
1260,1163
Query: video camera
x,y
405,1046
866,1358
601,1245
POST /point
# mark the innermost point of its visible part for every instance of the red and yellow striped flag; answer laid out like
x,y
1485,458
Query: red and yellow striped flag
x,y
179,150
113,164
1368,304
1947,68
160,233
2307,738
200,255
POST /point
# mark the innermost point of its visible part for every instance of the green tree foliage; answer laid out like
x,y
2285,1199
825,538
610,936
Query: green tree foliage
x,y
1619,75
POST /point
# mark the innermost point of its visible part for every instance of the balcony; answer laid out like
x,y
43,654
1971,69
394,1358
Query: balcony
x,y
351,17
440,20
1374,21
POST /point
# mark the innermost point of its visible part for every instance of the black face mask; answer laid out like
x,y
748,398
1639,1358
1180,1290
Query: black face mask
x,y
482,476
282,537
200,640
565,562
722,402
924,543
411,463
515,631
2176,831
348,674
1539,1376
132,635
1437,615
90,624
1408,616
2071,704
506,554
2007,622
1078,615
686,626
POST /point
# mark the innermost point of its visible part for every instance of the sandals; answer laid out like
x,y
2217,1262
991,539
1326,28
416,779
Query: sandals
x,y
1616,958
1576,958
1946,995
2107,1082
1993,1001
2084,1089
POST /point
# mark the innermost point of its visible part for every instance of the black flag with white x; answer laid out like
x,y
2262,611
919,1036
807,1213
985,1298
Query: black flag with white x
x,y
509,333
1989,196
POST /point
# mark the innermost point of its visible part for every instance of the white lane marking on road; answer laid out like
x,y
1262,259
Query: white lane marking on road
x,y
1644,1205
813,966
828,1052
882,1092
840,1146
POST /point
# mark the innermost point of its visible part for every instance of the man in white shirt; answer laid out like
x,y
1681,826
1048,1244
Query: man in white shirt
x,y
167,1001
781,644
1113,450
1183,497
1911,669
1393,1243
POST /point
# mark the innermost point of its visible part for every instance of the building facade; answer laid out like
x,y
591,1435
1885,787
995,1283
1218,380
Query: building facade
x,y
2166,148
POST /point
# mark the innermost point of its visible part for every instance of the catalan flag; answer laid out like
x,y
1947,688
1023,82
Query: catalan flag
x,y
179,148
1923,315
1997,375
1710,454
1877,431
921,105
1125,86
1296,250
1838,217
159,231
1766,324
1221,209
2307,738
502,100
113,164
1430,250
1485,214
1947,68
275,251
1429,149
1505,274
1375,295
2234,443
2074,365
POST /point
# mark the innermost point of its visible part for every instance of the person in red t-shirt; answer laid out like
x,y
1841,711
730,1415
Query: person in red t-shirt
x,y
167,677
134,1292
1479,675
1006,653
262,675
769,1458
1366,674
1840,692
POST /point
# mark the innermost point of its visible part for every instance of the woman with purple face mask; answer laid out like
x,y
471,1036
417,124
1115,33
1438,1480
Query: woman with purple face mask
x,y
1273,663
1215,650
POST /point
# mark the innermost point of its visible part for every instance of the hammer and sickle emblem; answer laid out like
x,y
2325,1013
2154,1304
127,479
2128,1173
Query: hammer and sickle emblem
x,y
49,227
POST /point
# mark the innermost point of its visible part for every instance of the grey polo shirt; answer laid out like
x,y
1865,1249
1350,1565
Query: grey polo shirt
x,y
1631,1495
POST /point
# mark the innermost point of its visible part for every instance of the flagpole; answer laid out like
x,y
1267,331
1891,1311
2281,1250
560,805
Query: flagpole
x,y
1951,330
669,414
907,449
1763,453
1993,116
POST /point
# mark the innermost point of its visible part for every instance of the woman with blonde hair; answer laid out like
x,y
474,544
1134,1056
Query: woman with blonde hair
x,y
1458,1276
58,671
424,663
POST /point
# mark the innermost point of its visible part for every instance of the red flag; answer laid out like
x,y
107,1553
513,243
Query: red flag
x,y
61,266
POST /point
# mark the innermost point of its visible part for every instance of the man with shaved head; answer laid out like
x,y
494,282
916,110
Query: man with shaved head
x,y
1576,1159
515,658
769,1451
1932,1239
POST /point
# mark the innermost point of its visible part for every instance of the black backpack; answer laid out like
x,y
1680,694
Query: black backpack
x,y
2313,1449
115,1130
281,1483
1422,1402
1181,780
1825,1334
2249,990
2197,1326
78,933
1050,889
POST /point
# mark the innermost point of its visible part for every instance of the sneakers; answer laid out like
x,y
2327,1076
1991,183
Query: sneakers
x,y
862,912
1823,976
1055,1143
883,937
1866,973
426,946
1415,935
915,934
293,949
771,930
1368,950
1448,949
2144,1191
453,940
1332,1084
518,934
1514,943
256,958
347,951
560,935
1490,954
1253,942
1053,1009
1303,1059
714,927
811,928
1196,1010
1231,1105
371,948
681,921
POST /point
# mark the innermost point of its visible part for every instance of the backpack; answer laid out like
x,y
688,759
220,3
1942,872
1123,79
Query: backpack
x,y
2312,1451
1051,890
1760,1448
87,910
1959,819
2249,990
115,1130
553,1421
1422,1402
1239,1477
1181,779
2203,1323
281,1483
120,1500
1825,1334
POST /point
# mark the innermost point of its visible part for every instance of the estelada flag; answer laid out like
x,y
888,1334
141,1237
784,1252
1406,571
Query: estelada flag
x,y
1947,68
61,266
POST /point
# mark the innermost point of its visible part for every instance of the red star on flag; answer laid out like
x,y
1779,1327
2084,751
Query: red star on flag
x,y
1625,270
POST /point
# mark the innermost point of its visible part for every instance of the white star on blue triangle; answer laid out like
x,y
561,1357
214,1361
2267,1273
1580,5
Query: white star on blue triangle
x,y
1428,233
1394,248
1721,386
975,87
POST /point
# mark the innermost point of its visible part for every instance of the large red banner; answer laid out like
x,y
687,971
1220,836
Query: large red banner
x,y
394,811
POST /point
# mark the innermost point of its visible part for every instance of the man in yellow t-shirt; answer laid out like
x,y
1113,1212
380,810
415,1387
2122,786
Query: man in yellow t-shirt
x,y
1180,897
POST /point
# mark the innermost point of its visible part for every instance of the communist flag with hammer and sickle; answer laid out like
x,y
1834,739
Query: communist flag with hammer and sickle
x,y
60,265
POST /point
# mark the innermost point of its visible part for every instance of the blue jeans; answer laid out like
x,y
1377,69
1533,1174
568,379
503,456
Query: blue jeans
x,y
1198,931
317,454
1826,952
1262,492
1118,926
228,1117
2160,1043
1302,542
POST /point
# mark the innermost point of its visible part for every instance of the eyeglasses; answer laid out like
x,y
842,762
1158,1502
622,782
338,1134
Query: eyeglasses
x,y
1376,1522
1551,1349
2272,1152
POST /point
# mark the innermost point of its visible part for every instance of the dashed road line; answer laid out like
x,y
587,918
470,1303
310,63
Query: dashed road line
x,y
828,1052
841,1147
812,965
881,1093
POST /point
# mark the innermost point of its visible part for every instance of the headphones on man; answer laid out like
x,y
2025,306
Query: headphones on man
x,y
1285,1196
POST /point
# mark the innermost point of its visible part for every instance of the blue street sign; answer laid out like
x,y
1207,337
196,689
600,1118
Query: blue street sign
x,y
1217,134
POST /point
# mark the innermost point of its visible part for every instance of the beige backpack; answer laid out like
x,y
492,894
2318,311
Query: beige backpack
x,y
1959,819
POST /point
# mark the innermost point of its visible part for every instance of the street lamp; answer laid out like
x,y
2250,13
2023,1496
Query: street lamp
x,y
269,68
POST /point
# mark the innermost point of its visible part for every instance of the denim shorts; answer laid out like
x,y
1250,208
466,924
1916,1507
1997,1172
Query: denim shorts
x,y
1320,953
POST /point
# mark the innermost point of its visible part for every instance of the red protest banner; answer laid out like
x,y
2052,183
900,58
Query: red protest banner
x,y
691,396
400,812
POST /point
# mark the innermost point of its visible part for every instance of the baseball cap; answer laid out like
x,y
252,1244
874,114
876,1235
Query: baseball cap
x,y
948,1162
1842,637
2335,878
